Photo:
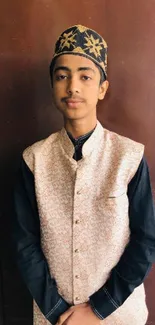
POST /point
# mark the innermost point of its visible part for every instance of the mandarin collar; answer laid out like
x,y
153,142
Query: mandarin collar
x,y
92,142
80,140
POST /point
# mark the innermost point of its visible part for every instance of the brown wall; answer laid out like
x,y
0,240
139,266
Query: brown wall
x,y
27,33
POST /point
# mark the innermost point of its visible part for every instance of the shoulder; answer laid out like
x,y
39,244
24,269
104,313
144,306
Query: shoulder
x,y
39,148
123,143
125,151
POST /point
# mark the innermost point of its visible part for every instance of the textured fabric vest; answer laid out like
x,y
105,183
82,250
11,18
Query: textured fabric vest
x,y
83,209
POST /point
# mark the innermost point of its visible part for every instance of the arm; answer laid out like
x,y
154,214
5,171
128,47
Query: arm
x,y
30,258
139,254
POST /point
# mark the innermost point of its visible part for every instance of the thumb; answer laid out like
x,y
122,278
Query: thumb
x,y
64,316
66,320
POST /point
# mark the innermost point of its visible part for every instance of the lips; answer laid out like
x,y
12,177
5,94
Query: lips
x,y
73,101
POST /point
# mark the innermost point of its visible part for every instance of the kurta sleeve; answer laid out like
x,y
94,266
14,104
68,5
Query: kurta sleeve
x,y
139,254
30,257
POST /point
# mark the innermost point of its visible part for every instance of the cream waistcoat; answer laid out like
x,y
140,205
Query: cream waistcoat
x,y
83,209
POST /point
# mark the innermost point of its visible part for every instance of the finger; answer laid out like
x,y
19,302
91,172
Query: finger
x,y
64,316
67,321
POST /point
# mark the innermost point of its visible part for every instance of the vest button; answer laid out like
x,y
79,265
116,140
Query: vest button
x,y
77,221
77,299
77,276
76,250
78,192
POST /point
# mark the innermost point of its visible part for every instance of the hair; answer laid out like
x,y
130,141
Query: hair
x,y
102,75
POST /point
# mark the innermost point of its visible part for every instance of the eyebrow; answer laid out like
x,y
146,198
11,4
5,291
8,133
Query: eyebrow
x,y
69,70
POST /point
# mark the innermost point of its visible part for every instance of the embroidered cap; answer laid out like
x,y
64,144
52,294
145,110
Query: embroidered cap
x,y
80,40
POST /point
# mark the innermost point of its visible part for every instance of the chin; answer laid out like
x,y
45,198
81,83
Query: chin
x,y
72,114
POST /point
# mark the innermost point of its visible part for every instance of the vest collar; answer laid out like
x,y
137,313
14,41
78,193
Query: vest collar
x,y
92,143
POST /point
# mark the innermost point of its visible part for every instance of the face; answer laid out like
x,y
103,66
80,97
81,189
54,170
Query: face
x,y
76,86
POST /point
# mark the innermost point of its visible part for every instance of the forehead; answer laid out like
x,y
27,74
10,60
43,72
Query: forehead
x,y
72,61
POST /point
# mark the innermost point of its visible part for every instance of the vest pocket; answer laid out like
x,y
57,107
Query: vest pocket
x,y
111,195
116,195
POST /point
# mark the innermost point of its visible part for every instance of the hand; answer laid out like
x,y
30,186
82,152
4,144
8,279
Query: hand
x,y
65,315
80,314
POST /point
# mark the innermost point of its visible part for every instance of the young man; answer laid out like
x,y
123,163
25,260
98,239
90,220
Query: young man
x,y
84,217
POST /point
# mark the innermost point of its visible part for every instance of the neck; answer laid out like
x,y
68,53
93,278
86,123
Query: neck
x,y
79,127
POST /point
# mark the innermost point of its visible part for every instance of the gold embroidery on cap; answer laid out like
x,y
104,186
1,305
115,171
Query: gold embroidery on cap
x,y
81,28
85,41
93,45
106,59
104,43
78,50
67,40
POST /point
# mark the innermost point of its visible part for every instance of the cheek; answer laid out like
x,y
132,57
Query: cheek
x,y
94,88
57,93
93,93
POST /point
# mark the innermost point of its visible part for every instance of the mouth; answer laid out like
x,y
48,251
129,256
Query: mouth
x,y
73,102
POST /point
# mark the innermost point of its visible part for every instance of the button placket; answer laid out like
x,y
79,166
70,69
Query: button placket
x,y
77,298
77,250
79,192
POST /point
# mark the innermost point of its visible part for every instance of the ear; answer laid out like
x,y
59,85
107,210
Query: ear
x,y
103,89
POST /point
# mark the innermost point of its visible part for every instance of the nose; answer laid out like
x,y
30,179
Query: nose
x,y
73,86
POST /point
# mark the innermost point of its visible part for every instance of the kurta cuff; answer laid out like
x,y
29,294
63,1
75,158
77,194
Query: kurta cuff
x,y
102,303
54,314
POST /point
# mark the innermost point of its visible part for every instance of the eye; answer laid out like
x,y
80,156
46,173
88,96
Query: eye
x,y
86,78
61,77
